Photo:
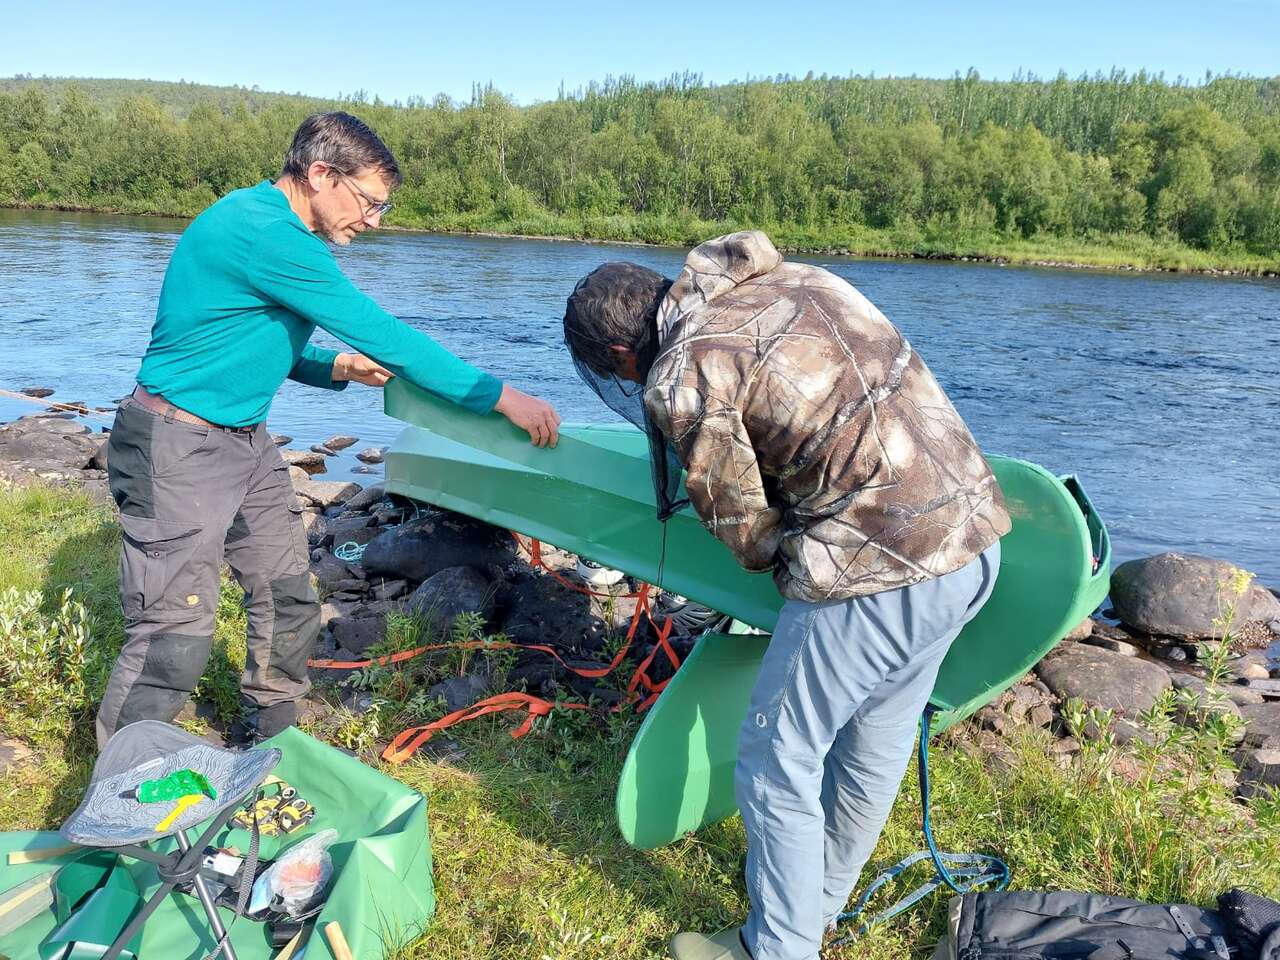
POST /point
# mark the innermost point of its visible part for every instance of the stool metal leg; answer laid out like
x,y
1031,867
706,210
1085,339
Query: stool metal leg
x,y
202,891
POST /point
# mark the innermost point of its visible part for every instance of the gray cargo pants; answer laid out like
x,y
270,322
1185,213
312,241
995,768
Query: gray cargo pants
x,y
826,741
190,496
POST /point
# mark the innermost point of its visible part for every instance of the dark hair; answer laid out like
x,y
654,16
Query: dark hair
x,y
615,303
345,143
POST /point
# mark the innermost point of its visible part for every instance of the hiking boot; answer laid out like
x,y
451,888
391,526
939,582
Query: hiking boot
x,y
725,945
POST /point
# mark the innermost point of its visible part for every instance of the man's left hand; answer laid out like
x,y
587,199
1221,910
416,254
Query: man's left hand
x,y
357,367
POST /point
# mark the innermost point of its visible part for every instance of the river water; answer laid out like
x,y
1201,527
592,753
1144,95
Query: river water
x,y
1161,392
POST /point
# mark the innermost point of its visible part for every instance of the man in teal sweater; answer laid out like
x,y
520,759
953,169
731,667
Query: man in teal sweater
x,y
192,468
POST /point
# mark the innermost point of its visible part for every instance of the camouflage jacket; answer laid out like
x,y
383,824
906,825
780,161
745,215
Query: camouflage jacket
x,y
817,442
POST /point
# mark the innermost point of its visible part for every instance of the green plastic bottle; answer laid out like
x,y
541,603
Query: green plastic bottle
x,y
179,784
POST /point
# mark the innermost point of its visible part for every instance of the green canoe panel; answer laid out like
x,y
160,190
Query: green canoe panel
x,y
592,495
382,892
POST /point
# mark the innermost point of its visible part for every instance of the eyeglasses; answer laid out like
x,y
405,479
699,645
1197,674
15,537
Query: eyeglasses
x,y
374,207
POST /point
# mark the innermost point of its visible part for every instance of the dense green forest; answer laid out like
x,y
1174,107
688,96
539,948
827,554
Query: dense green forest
x,y
1106,169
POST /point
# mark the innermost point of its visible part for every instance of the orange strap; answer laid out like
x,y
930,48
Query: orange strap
x,y
408,741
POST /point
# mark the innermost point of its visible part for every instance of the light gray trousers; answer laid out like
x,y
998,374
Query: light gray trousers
x,y
826,742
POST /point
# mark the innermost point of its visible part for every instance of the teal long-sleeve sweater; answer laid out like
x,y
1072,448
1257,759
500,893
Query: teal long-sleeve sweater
x,y
246,286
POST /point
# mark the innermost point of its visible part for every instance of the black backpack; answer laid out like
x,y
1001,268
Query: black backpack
x,y
1086,926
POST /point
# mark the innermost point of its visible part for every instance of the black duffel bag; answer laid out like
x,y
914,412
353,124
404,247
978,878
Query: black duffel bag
x,y
1086,926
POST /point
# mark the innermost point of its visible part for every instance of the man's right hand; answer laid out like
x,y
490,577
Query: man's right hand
x,y
536,417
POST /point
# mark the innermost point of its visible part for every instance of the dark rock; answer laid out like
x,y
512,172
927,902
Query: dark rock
x,y
316,526
366,498
1174,594
389,589
1263,723
340,442
330,570
1173,652
352,585
358,634
99,459
993,719
378,608
1109,680
449,592
1126,731
344,529
313,463
544,611
537,673
459,692
415,551
321,449
280,440
38,392
347,596
326,493
1259,769
370,455
331,610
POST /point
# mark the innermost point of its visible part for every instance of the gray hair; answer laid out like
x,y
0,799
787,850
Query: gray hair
x,y
342,141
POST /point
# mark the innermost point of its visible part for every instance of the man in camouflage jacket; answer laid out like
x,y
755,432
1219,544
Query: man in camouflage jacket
x,y
819,446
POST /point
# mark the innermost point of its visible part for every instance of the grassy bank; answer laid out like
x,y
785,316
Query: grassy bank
x,y
1101,251
528,861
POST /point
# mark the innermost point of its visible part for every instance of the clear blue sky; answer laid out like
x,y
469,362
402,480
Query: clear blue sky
x,y
396,49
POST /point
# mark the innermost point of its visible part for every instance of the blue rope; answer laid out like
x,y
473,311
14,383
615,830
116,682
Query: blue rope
x,y
350,552
967,871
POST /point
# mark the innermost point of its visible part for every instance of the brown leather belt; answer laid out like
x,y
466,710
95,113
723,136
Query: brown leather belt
x,y
158,404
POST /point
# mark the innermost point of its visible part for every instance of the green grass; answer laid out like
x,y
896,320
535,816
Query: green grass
x,y
528,862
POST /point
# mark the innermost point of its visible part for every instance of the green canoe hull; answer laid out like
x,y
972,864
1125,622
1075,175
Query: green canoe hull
x,y
593,495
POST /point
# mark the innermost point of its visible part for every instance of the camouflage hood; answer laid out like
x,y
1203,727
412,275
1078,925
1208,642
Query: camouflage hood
x,y
817,442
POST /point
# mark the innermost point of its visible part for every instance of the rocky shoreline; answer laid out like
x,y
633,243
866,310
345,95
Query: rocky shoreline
x,y
375,555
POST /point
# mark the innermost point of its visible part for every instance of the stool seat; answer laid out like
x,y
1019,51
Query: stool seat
x,y
109,816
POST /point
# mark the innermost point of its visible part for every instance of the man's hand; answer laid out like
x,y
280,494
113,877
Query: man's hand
x,y
536,417
357,367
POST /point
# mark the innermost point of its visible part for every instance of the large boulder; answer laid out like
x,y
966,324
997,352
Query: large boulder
x,y
542,610
415,551
358,634
48,441
1127,685
450,592
1175,594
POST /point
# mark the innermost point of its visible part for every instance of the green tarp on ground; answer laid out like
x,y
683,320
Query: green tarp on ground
x,y
382,892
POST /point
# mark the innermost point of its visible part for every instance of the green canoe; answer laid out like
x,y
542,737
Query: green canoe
x,y
593,495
